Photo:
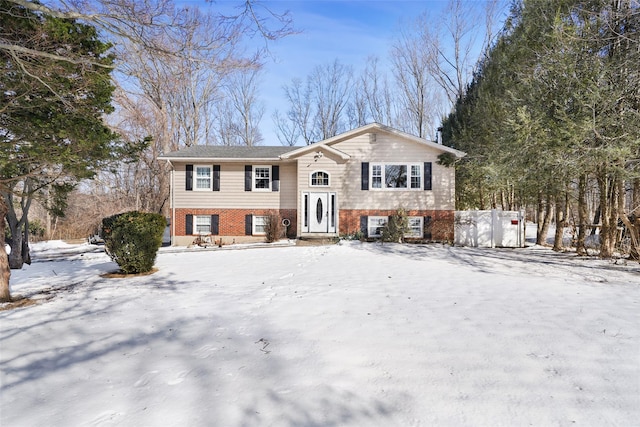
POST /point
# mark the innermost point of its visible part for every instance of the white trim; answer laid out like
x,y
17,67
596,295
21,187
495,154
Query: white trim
x,y
380,221
195,225
383,166
306,212
377,127
311,184
173,205
420,233
319,146
195,177
254,177
253,225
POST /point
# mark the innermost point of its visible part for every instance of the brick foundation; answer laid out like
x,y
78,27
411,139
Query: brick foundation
x,y
440,228
232,221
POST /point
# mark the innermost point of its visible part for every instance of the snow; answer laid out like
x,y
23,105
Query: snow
x,y
354,334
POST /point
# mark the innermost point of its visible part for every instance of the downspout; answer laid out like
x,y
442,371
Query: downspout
x,y
173,205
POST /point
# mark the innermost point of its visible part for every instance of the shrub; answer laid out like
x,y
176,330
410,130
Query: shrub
x,y
132,239
355,235
36,230
396,228
273,227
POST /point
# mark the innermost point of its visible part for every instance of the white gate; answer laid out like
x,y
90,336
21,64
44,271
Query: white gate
x,y
490,229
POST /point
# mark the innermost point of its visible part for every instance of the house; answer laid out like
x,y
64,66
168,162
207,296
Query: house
x,y
350,183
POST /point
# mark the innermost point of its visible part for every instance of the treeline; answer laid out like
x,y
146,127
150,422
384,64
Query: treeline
x,y
551,122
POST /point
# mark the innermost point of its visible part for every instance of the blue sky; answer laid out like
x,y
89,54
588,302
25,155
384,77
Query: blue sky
x,y
349,31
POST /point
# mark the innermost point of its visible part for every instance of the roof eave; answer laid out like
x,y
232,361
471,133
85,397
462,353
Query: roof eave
x,y
314,147
220,159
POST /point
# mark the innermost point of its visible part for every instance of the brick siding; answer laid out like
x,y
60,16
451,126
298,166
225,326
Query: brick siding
x,y
231,222
441,221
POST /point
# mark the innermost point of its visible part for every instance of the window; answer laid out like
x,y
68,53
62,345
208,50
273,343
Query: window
x,y
415,227
203,177
202,224
375,224
262,177
259,224
376,176
416,178
319,179
396,176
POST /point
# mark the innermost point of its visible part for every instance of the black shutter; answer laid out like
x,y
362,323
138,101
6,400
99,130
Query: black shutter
x,y
189,178
365,176
427,175
248,225
364,225
427,227
216,177
275,178
188,222
247,177
215,220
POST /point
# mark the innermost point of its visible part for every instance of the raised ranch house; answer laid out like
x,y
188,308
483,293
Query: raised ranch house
x,y
346,184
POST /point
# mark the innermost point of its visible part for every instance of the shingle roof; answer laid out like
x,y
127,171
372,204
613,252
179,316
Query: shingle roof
x,y
226,152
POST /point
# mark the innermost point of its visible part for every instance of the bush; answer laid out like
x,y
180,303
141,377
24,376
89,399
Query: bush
x,y
273,228
132,239
396,228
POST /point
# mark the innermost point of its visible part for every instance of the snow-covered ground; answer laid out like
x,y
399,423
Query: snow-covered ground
x,y
344,335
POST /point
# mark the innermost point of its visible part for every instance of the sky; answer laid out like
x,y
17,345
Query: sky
x,y
347,31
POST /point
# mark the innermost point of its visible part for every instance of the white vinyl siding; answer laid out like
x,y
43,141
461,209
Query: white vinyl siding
x,y
232,194
391,149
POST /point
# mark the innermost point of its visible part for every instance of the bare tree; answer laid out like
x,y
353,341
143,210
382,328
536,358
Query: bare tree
x,y
239,115
375,90
299,115
317,107
177,46
331,85
417,95
286,130
183,95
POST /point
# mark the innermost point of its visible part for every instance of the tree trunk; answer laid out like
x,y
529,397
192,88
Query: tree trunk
x,y
5,271
635,219
544,219
16,259
634,232
581,248
596,221
561,219
608,213
19,228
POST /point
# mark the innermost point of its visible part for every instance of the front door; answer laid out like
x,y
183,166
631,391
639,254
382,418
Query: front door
x,y
318,212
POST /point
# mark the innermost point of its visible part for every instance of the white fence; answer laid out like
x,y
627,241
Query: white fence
x,y
490,229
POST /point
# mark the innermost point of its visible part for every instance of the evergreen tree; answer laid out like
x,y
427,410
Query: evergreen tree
x,y
52,103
